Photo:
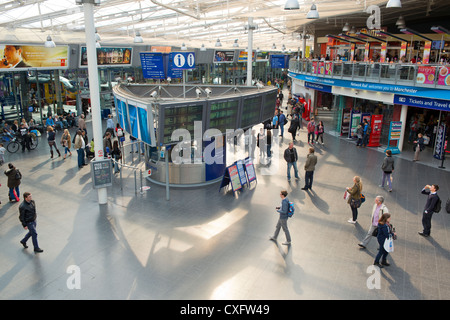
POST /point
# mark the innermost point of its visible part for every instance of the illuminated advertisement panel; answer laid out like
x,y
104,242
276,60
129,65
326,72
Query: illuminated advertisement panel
x,y
36,57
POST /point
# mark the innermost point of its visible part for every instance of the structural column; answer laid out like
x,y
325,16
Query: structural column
x,y
94,88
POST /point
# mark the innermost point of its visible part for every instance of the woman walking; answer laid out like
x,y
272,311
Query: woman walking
x,y
384,231
66,142
51,137
355,198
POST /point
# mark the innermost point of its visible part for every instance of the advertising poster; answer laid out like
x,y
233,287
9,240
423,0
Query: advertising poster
x,y
234,177
366,52
39,57
133,121
426,52
439,150
241,171
444,76
315,67
345,124
425,74
352,52
321,67
375,135
108,56
383,52
395,131
250,169
403,50
125,124
355,121
223,56
143,126
243,56
328,68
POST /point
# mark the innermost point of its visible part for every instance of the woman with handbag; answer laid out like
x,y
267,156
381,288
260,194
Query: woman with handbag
x,y
66,143
378,210
355,198
385,233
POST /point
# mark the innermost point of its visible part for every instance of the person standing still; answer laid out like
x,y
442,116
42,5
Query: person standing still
x,y
388,169
282,221
291,157
310,166
419,145
27,216
282,120
311,129
431,192
377,211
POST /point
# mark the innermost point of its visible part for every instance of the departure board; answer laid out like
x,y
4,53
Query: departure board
x,y
223,115
269,106
182,117
251,111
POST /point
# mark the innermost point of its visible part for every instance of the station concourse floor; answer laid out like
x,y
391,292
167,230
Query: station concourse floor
x,y
207,244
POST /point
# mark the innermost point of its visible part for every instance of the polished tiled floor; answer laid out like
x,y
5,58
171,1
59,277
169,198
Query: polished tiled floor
x,y
208,244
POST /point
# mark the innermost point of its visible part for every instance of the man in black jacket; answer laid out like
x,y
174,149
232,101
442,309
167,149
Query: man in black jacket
x,y
291,157
430,206
27,216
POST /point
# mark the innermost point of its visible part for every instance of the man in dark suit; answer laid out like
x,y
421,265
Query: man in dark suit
x,y
431,191
13,58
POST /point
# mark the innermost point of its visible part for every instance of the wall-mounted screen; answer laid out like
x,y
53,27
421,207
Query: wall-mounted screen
x,y
251,111
223,115
221,56
182,117
108,56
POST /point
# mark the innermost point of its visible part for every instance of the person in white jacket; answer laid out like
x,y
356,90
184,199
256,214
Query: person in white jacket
x,y
378,209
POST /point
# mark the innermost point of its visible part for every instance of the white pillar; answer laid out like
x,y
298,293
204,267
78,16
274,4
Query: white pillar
x,y
403,119
94,88
304,43
250,52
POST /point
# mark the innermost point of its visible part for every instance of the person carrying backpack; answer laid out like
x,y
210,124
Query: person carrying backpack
x,y
14,178
282,221
430,208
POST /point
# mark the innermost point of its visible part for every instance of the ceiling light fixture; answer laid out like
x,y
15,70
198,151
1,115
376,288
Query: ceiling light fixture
x,y
218,44
313,13
138,38
202,48
235,44
394,4
346,27
291,5
49,43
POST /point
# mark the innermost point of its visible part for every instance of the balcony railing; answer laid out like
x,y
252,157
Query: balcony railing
x,y
407,74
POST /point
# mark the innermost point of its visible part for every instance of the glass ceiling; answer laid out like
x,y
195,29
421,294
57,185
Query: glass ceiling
x,y
170,22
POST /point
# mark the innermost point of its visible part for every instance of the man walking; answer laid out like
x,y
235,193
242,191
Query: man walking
x,y
291,157
430,206
377,211
310,166
282,221
27,216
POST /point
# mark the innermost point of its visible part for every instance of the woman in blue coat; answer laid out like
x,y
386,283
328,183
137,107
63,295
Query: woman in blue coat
x,y
384,231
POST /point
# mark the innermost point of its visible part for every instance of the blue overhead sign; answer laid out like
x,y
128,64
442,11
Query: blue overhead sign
x,y
436,104
182,60
318,86
152,65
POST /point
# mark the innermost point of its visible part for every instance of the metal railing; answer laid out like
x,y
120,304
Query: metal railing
x,y
420,75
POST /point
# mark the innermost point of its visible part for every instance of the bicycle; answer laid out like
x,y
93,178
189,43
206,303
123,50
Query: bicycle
x,y
16,143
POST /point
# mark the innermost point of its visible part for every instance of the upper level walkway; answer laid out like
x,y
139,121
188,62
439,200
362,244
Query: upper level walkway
x,y
206,244
435,76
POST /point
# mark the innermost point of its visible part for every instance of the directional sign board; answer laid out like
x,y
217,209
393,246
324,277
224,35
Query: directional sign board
x,y
182,60
152,65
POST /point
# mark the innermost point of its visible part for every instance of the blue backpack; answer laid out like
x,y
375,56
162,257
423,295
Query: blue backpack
x,y
291,209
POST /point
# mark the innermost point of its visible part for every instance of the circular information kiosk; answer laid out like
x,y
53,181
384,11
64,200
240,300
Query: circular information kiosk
x,y
190,125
